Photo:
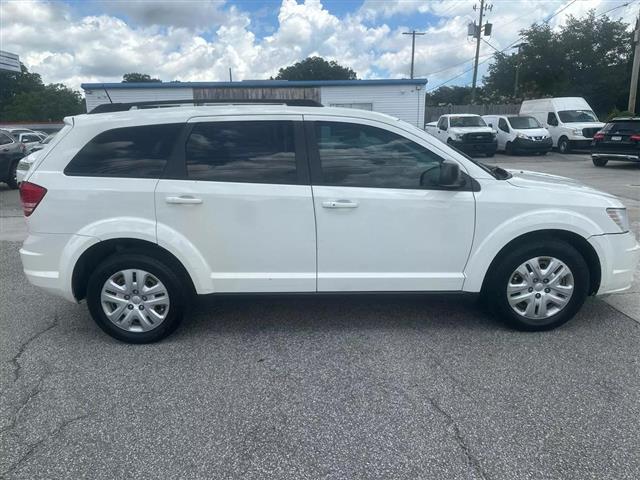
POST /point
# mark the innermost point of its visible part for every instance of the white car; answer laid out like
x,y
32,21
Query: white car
x,y
466,132
25,164
136,211
570,121
519,134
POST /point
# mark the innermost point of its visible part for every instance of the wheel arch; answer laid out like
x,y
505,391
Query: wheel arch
x,y
97,252
575,240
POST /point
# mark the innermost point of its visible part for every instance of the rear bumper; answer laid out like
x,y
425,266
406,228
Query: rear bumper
x,y
470,148
48,261
619,254
625,157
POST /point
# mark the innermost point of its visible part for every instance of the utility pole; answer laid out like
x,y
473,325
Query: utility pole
x,y
477,33
518,61
230,76
633,88
413,34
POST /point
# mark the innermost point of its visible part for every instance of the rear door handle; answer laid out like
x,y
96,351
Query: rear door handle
x,y
184,200
340,204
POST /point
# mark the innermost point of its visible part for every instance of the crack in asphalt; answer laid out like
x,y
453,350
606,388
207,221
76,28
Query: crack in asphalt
x,y
460,440
34,446
15,361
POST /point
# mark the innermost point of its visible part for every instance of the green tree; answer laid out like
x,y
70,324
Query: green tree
x,y
316,68
446,95
14,83
51,103
588,57
138,78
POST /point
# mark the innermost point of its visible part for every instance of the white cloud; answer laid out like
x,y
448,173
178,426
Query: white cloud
x,y
171,41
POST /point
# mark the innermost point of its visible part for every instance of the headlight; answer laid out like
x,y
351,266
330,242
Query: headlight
x,y
577,132
620,217
521,135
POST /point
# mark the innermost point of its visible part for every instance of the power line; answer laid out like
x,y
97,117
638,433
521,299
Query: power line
x,y
560,11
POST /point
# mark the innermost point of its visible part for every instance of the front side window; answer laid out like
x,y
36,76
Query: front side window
x,y
551,119
29,138
502,125
246,152
130,152
357,155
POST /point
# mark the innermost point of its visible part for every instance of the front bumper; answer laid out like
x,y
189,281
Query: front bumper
x,y
471,148
619,254
580,144
526,145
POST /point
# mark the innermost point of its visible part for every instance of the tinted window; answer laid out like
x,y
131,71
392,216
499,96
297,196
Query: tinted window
x,y
248,152
551,119
362,156
5,139
623,126
140,152
524,123
502,125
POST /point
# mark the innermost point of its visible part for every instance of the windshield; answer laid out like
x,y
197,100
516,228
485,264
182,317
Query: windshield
x,y
523,123
575,116
467,122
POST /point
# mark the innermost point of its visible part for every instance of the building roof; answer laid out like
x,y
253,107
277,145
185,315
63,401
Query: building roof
x,y
258,84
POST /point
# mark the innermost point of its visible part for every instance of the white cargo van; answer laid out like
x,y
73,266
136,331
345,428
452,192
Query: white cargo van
x,y
519,134
570,120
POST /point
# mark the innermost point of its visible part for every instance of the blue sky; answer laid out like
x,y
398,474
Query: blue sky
x,y
100,40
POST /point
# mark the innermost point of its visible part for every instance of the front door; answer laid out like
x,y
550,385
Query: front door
x,y
383,224
242,200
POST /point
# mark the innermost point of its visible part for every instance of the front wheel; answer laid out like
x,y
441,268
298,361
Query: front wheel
x,y
538,286
136,298
599,162
508,148
563,145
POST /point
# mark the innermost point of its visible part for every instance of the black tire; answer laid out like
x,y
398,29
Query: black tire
x,y
12,181
508,148
503,268
173,283
563,145
599,162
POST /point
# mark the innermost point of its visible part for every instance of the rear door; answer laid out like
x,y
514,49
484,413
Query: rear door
x,y
383,223
241,198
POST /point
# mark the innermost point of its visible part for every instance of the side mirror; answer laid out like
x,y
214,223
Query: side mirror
x,y
450,175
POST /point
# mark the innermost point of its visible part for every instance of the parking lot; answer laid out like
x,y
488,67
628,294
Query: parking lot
x,y
340,387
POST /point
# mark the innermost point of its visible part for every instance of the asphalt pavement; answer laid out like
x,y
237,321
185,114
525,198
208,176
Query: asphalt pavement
x,y
334,387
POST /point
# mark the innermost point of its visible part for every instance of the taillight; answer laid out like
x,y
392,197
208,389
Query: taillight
x,y
598,136
30,196
635,138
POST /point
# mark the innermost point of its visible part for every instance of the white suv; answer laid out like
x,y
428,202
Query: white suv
x,y
137,210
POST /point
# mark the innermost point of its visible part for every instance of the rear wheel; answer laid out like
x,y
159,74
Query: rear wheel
x,y
508,148
538,286
599,162
135,298
563,145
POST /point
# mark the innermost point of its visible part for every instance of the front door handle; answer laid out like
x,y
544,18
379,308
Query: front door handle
x,y
340,204
184,200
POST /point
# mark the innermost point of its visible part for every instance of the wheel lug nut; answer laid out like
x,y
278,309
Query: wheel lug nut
x,y
546,280
535,280
141,307
130,307
144,299
530,289
126,297
135,292
547,290
537,295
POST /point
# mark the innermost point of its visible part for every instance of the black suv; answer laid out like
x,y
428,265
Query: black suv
x,y
619,139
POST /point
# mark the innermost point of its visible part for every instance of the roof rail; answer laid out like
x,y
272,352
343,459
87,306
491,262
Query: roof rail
x,y
123,107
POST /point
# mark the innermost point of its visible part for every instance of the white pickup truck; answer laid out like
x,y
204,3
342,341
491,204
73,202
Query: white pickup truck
x,y
466,132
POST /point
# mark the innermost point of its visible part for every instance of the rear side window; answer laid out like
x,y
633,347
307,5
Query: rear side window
x,y
246,152
131,152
